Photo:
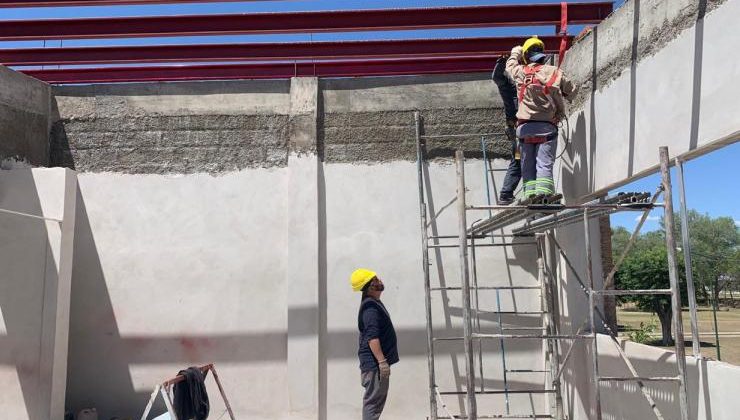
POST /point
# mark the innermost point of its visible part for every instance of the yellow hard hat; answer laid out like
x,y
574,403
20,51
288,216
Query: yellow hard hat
x,y
532,42
361,277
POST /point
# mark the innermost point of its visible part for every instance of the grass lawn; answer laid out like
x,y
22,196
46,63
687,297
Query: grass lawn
x,y
728,320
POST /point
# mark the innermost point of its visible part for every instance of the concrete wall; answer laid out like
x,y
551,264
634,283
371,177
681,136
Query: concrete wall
x,y
36,261
24,119
190,249
655,73
712,386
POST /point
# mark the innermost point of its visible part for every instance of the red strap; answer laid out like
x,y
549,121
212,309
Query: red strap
x,y
551,81
529,78
535,140
563,32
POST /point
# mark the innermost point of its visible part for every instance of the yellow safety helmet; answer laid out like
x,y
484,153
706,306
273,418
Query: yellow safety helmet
x,y
532,43
361,277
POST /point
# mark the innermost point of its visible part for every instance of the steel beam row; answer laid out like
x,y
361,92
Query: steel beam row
x,y
444,65
304,22
266,51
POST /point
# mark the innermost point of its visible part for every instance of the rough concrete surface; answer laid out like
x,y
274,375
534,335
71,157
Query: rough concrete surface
x,y
24,118
170,144
391,135
635,31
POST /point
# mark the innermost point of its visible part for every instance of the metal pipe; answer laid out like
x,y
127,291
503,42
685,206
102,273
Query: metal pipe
x,y
715,295
465,282
591,308
688,268
632,292
673,275
487,288
641,378
503,350
483,245
425,267
551,327
473,262
537,336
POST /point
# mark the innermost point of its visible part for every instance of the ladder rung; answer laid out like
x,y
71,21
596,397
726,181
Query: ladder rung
x,y
476,336
497,392
511,312
541,337
633,292
522,328
488,288
498,170
527,371
644,379
503,416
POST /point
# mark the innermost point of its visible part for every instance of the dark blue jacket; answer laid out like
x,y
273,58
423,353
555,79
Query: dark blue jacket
x,y
373,321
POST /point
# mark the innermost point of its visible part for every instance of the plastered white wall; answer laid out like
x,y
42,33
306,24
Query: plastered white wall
x,y
680,97
36,257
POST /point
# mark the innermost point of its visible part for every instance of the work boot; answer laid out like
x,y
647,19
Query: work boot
x,y
505,199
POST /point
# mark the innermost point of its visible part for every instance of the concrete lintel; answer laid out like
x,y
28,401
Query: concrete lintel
x,y
304,104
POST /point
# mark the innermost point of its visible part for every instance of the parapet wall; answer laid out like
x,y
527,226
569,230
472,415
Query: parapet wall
x,y
655,73
217,127
24,118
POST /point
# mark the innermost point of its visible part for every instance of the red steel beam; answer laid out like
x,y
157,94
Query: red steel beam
x,y
302,22
265,51
357,68
62,3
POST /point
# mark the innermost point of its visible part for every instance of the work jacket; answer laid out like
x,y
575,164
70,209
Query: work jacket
x,y
534,103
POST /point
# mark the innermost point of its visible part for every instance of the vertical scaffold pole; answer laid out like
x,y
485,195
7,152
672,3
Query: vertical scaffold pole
x,y
591,311
472,412
673,275
425,267
552,359
696,350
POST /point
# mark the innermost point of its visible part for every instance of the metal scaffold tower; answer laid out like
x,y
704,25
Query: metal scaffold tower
x,y
536,222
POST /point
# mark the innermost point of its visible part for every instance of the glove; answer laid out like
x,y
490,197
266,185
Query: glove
x,y
385,369
516,50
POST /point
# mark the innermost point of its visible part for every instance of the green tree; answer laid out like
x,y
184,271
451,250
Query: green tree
x,y
715,251
647,268
715,248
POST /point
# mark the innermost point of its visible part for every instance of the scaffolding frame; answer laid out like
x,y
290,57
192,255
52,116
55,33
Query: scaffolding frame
x,y
551,216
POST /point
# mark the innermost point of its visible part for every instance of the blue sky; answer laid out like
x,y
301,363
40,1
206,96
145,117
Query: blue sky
x,y
710,188
707,181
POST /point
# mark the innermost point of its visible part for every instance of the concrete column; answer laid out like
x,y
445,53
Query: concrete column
x,y
57,297
37,227
303,251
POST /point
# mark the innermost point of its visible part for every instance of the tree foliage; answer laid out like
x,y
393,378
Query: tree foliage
x,y
715,250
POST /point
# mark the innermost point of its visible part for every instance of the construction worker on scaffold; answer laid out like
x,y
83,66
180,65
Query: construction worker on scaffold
x,y
541,90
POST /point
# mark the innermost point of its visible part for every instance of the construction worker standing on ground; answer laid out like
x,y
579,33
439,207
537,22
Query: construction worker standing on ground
x,y
541,90
377,349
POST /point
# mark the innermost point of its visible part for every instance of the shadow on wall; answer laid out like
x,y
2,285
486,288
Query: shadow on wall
x,y
625,401
24,258
100,359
